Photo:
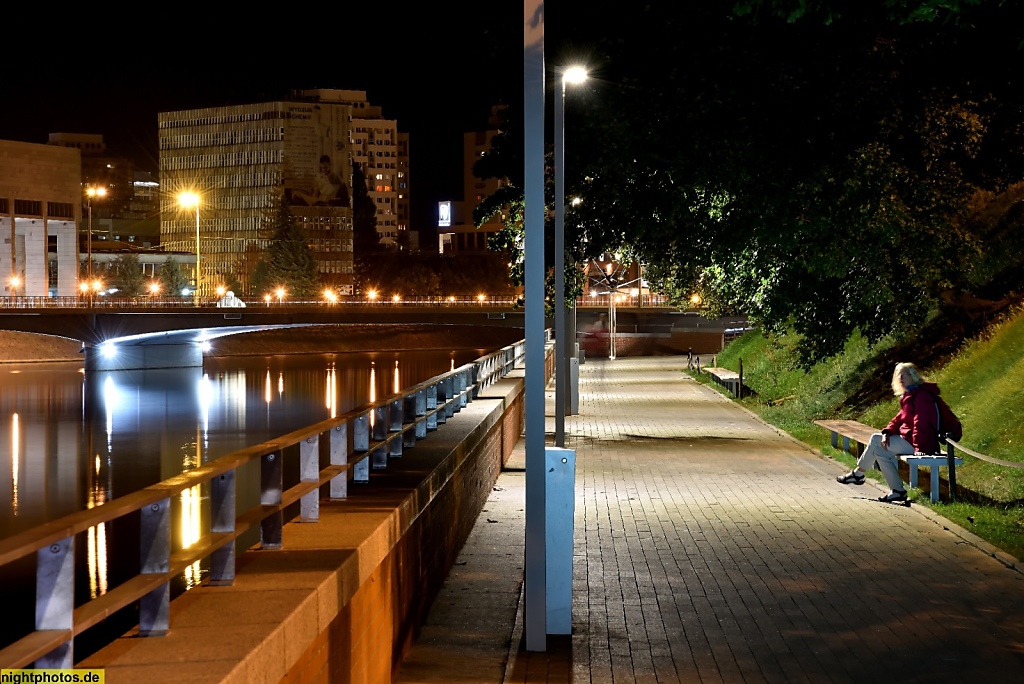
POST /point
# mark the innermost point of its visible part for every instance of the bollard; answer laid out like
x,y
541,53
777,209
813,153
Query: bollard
x,y
951,461
739,388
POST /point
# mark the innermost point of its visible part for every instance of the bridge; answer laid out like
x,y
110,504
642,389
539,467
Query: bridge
x,y
142,334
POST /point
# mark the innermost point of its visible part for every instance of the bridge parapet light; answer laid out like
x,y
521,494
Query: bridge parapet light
x,y
221,290
280,293
396,298
330,296
480,298
267,298
372,295
154,288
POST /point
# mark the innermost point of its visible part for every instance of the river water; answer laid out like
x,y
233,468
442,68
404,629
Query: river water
x,y
71,441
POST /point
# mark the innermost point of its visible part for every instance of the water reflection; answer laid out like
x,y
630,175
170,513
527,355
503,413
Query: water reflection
x,y
75,441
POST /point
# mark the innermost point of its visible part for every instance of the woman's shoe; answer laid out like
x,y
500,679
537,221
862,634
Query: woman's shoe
x,y
894,496
851,478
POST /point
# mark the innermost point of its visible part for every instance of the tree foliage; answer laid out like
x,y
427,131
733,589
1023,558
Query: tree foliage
x,y
172,281
125,274
288,262
811,164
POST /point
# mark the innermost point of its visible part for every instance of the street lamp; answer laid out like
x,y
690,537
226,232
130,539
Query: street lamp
x,y
188,200
91,192
574,75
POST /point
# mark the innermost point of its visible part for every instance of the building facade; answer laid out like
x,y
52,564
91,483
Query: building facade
x,y
243,159
461,235
40,210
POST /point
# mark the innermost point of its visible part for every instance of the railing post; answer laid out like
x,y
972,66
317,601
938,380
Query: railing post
x,y
339,456
155,559
462,381
271,487
222,513
360,445
409,416
431,404
951,462
449,392
441,397
420,411
55,598
395,413
379,433
309,471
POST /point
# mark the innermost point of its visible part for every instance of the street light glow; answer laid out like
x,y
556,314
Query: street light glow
x,y
190,200
576,74
96,192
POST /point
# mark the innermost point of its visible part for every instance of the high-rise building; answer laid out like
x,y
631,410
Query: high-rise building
x,y
461,235
243,159
129,211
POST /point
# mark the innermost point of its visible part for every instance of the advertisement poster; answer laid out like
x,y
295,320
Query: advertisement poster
x,y
316,155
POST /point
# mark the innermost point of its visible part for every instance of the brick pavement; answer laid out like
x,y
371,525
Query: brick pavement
x,y
711,548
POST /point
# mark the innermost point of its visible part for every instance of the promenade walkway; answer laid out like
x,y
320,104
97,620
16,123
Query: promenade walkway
x,y
711,548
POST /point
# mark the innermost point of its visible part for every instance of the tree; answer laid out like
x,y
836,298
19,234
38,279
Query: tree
x,y
366,245
125,274
289,262
811,167
172,280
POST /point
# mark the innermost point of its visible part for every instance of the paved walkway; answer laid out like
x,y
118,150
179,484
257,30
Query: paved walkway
x,y
711,548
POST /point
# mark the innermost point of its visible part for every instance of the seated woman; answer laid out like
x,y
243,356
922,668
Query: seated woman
x,y
913,430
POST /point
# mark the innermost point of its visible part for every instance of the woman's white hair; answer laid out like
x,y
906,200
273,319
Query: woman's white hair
x,y
897,380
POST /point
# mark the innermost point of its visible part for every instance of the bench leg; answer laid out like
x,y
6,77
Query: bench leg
x,y
835,440
846,444
913,474
934,477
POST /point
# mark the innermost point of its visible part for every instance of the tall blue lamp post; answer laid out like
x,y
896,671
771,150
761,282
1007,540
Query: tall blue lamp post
x,y
571,75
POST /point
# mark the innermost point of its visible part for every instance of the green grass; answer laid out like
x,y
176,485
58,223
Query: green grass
x,y
983,383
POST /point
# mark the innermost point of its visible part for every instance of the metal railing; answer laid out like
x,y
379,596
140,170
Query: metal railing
x,y
149,301
370,434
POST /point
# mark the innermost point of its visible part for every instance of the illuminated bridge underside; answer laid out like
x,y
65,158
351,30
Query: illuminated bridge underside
x,y
171,349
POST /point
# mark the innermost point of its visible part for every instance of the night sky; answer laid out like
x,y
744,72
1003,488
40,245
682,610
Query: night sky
x,y
111,74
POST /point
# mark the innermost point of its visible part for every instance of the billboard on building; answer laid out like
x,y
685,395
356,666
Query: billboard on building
x,y
444,214
316,160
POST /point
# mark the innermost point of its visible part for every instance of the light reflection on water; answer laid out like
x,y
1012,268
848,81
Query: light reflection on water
x,y
73,441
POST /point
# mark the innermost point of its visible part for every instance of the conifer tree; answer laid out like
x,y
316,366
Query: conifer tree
x,y
288,262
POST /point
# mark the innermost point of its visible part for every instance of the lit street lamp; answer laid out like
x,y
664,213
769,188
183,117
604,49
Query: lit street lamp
x,y
187,200
570,75
91,192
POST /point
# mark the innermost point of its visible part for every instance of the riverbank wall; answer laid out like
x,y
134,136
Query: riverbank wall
x,y
344,598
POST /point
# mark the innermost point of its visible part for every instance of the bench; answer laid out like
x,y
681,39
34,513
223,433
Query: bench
x,y
853,432
726,378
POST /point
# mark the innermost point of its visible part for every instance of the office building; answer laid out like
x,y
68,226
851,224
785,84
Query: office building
x,y
40,210
243,159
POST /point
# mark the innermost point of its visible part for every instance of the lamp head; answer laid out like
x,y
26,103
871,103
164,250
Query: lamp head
x,y
574,75
188,199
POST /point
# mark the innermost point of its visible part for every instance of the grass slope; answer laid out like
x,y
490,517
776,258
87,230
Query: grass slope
x,y
983,382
